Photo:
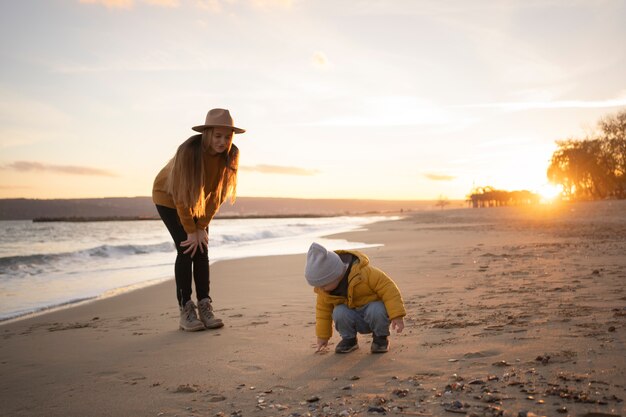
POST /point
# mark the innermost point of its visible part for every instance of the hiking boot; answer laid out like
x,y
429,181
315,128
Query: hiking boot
x,y
347,345
380,344
205,311
188,319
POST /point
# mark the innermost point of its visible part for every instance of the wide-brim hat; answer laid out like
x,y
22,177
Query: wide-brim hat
x,y
218,118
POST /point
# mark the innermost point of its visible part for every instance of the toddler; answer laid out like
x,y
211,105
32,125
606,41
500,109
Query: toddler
x,y
358,297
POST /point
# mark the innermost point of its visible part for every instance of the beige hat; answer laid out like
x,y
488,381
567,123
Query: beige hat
x,y
218,118
322,266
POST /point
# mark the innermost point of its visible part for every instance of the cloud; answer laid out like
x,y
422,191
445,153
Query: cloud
x,y
28,166
127,4
213,6
14,187
217,6
392,111
281,170
111,4
17,109
439,177
163,3
267,4
556,104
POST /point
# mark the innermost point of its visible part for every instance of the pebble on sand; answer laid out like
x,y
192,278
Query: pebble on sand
x,y
376,409
401,392
186,388
543,359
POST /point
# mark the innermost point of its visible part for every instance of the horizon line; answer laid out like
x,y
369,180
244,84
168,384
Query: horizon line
x,y
252,197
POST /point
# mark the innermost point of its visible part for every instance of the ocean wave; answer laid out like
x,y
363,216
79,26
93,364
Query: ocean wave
x,y
286,228
41,268
246,237
225,235
33,264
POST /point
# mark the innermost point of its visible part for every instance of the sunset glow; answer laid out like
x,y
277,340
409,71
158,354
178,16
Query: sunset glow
x,y
440,98
550,192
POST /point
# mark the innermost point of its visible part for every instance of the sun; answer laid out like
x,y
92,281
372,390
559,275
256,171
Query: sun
x,y
549,192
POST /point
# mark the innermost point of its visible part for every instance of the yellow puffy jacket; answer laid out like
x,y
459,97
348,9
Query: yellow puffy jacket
x,y
365,284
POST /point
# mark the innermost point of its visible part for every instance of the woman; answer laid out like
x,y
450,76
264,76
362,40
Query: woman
x,y
187,193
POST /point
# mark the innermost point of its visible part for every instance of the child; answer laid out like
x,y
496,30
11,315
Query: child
x,y
358,297
187,193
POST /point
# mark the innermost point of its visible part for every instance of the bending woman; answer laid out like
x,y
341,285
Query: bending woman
x,y
187,192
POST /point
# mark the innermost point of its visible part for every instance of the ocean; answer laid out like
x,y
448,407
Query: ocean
x,y
49,265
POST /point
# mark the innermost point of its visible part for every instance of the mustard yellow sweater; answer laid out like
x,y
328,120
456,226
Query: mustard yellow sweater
x,y
214,167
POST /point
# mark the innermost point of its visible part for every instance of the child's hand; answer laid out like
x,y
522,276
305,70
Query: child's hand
x,y
398,324
322,344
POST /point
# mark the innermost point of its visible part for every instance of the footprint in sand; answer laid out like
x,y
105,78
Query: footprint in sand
x,y
243,366
481,354
70,326
132,377
127,377
215,398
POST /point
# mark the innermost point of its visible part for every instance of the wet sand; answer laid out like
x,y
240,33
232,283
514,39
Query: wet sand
x,y
510,313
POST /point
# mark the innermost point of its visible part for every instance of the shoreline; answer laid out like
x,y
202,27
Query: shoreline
x,y
502,306
344,235
154,281
224,217
116,292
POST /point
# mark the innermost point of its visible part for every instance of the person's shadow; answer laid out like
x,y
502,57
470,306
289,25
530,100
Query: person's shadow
x,y
342,368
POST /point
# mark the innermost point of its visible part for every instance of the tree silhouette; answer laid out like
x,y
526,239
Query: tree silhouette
x,y
490,197
613,145
593,168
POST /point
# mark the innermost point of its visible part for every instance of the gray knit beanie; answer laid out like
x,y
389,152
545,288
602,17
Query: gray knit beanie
x,y
322,266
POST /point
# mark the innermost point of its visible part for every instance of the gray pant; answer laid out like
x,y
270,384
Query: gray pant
x,y
371,318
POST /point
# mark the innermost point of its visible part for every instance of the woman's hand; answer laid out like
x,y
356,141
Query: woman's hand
x,y
197,240
192,243
203,239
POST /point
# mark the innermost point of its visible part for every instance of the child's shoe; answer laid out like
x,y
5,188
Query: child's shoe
x,y
380,344
347,345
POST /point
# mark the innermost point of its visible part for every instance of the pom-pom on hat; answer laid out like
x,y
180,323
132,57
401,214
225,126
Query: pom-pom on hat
x,y
322,266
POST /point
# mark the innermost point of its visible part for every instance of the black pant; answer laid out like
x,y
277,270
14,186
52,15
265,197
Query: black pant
x,y
184,262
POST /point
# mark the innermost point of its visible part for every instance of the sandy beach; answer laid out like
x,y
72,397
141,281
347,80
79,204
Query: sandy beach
x,y
510,312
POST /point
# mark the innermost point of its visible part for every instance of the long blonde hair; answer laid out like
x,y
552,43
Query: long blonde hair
x,y
185,182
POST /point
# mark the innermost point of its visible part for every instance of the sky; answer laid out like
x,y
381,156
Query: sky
x,y
366,99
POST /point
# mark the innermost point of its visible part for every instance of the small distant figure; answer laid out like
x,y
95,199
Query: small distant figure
x,y
358,297
442,202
